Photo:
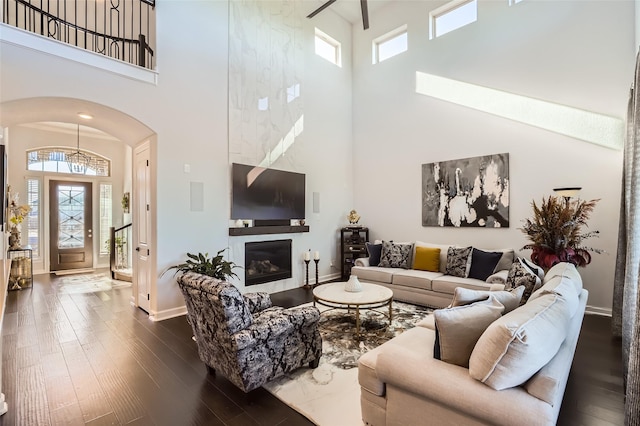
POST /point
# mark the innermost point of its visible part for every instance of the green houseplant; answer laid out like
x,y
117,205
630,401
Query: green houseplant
x,y
215,267
555,232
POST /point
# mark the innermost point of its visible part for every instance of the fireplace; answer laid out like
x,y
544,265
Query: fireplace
x,y
266,261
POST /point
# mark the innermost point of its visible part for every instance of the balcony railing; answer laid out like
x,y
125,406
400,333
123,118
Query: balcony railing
x,y
120,29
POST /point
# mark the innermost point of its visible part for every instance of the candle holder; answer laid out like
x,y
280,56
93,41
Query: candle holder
x,y
316,261
306,281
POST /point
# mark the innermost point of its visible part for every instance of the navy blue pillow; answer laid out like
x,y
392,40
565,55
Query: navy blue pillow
x,y
374,250
483,263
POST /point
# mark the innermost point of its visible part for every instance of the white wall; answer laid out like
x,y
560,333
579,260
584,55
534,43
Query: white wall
x,y
544,50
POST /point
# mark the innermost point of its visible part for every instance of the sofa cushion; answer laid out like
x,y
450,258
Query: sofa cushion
x,y
396,255
447,284
374,250
458,261
509,298
516,346
373,273
443,253
521,275
507,258
414,340
568,270
414,278
483,263
459,328
427,259
562,286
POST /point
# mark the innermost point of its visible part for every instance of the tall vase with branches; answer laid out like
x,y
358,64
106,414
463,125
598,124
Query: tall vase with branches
x,y
556,231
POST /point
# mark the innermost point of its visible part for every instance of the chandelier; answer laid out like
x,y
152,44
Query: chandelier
x,y
77,161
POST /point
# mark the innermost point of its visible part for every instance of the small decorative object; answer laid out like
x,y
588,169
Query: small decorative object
x,y
126,202
353,285
353,217
18,213
239,223
556,234
215,267
246,223
301,222
307,259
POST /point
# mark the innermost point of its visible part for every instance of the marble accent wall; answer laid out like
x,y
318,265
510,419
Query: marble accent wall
x,y
266,123
266,66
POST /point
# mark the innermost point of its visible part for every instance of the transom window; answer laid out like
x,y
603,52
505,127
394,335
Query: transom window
x,y
55,160
391,44
451,16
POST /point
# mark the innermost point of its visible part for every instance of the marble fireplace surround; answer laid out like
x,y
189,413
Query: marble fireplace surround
x,y
266,112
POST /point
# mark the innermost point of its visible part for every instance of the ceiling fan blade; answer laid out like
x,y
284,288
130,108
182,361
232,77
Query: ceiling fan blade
x,y
365,14
321,8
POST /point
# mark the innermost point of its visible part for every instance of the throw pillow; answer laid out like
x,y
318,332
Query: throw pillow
x,y
459,328
516,346
509,299
427,259
374,250
395,255
535,268
483,263
521,275
458,261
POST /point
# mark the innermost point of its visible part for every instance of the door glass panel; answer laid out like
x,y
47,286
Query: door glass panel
x,y
71,216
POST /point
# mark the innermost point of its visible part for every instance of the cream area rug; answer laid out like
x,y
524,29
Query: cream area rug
x,y
89,283
330,394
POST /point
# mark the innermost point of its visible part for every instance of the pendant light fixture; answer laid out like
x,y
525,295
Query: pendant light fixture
x,y
78,162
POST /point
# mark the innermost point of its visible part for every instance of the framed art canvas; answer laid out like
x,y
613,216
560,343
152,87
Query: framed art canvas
x,y
469,192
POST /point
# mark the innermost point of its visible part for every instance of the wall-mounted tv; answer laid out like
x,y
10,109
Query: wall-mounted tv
x,y
259,193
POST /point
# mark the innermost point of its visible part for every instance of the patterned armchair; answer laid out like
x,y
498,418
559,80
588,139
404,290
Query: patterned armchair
x,y
244,337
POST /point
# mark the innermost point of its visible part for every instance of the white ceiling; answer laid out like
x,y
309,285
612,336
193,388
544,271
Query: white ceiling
x,y
348,9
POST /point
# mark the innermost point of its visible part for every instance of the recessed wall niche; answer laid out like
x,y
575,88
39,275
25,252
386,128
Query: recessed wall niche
x,y
266,66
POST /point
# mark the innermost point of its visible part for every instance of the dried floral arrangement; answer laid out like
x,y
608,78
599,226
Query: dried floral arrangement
x,y
555,232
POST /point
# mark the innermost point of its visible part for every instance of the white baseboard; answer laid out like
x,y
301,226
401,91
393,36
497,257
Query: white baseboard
x,y
594,310
169,313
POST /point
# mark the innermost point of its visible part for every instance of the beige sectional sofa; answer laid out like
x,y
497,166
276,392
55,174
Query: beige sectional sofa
x,y
403,384
427,288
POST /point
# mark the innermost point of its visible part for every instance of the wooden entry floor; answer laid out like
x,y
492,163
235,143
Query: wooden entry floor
x,y
94,359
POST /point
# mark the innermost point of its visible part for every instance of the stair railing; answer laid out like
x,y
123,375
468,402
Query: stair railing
x,y
114,28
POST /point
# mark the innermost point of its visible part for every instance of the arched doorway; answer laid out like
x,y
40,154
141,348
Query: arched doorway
x,y
120,126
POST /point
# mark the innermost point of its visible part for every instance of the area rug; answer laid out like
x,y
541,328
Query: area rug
x,y
89,283
330,394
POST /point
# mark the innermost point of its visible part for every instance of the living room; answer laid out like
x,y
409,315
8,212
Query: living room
x,y
366,130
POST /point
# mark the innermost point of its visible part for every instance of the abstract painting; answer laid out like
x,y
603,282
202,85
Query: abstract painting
x,y
470,192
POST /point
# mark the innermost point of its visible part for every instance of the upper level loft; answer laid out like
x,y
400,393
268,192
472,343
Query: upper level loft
x,y
123,30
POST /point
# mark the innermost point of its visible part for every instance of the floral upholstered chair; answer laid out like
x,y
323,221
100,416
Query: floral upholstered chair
x,y
245,338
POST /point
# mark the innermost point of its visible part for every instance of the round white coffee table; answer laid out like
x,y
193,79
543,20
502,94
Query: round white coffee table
x,y
372,296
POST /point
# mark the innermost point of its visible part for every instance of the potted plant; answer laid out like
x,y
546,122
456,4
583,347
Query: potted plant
x,y
556,232
215,267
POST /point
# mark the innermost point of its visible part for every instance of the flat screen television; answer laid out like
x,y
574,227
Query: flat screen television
x,y
260,193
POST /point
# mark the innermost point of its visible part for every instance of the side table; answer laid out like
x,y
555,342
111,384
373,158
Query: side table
x,y
21,272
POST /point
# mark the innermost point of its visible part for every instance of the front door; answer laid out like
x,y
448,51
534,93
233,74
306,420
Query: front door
x,y
71,235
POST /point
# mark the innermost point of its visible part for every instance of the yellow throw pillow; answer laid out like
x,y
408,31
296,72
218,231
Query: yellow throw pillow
x,y
427,259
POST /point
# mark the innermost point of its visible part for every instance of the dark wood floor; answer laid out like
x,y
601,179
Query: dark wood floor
x,y
94,359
